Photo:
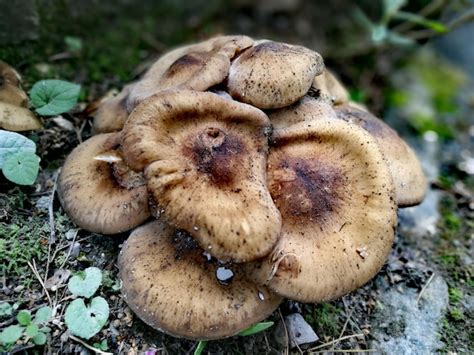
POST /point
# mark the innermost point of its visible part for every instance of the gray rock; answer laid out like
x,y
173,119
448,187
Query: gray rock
x,y
404,326
299,331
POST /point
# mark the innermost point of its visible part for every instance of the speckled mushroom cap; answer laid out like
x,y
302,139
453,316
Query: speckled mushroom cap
x,y
306,109
194,67
330,88
112,113
171,284
273,74
409,179
10,90
336,197
99,196
205,164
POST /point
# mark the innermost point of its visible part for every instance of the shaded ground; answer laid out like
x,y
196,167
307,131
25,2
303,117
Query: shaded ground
x,y
432,255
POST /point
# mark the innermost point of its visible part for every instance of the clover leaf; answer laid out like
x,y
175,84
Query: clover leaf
x,y
52,97
85,283
85,322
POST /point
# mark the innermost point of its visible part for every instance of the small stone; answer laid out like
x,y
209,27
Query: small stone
x,y
299,331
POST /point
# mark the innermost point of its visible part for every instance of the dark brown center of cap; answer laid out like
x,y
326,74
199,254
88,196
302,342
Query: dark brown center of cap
x,y
309,189
366,120
187,60
216,154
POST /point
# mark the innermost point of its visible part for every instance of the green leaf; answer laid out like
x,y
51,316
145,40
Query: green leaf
x,y
85,283
200,347
379,33
52,97
256,328
102,345
399,40
391,7
11,143
24,317
21,168
5,309
32,330
43,315
74,44
11,334
45,330
39,339
85,322
420,20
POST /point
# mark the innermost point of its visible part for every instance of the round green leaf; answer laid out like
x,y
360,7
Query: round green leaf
x,y
32,330
39,339
43,315
86,283
11,142
24,317
52,97
85,322
11,334
21,168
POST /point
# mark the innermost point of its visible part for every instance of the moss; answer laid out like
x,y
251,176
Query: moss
x,y
325,319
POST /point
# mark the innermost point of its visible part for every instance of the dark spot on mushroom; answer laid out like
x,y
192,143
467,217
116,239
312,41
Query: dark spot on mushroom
x,y
366,120
187,60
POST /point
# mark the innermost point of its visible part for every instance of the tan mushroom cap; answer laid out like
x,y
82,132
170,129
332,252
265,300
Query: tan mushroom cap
x,y
329,87
99,196
273,75
10,90
409,179
194,67
112,113
335,194
205,163
171,284
306,109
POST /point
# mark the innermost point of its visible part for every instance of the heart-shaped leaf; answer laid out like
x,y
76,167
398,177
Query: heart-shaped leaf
x,y
11,143
43,315
21,168
11,334
86,283
52,97
85,322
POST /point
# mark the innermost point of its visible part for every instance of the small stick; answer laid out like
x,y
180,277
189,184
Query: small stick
x,y
424,288
286,331
36,273
52,228
70,250
336,340
97,351
348,351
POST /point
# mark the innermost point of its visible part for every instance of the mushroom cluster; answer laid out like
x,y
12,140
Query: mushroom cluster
x,y
262,179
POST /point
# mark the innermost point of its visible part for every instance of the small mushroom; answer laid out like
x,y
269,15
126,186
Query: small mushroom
x,y
329,87
173,286
273,75
409,179
204,159
335,193
14,112
195,67
100,196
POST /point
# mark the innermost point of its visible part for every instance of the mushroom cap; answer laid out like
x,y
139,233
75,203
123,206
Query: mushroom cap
x,y
408,177
335,193
99,196
194,67
273,74
112,113
15,118
10,90
306,109
330,87
205,164
171,284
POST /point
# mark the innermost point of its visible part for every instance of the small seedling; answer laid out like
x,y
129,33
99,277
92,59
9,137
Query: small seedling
x,y
86,321
102,345
53,97
32,328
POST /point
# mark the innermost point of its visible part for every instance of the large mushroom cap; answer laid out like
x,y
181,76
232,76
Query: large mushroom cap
x,y
99,196
205,163
194,67
10,90
335,194
273,75
408,177
329,87
174,286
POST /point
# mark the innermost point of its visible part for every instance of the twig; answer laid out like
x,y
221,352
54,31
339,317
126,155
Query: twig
x,y
79,131
431,7
36,273
345,325
70,250
347,351
97,351
336,340
425,287
286,331
52,227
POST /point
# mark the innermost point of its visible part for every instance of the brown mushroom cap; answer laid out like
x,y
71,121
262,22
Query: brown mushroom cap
x,y
306,109
10,90
98,196
171,284
112,112
329,87
273,75
408,177
205,163
329,180
194,67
